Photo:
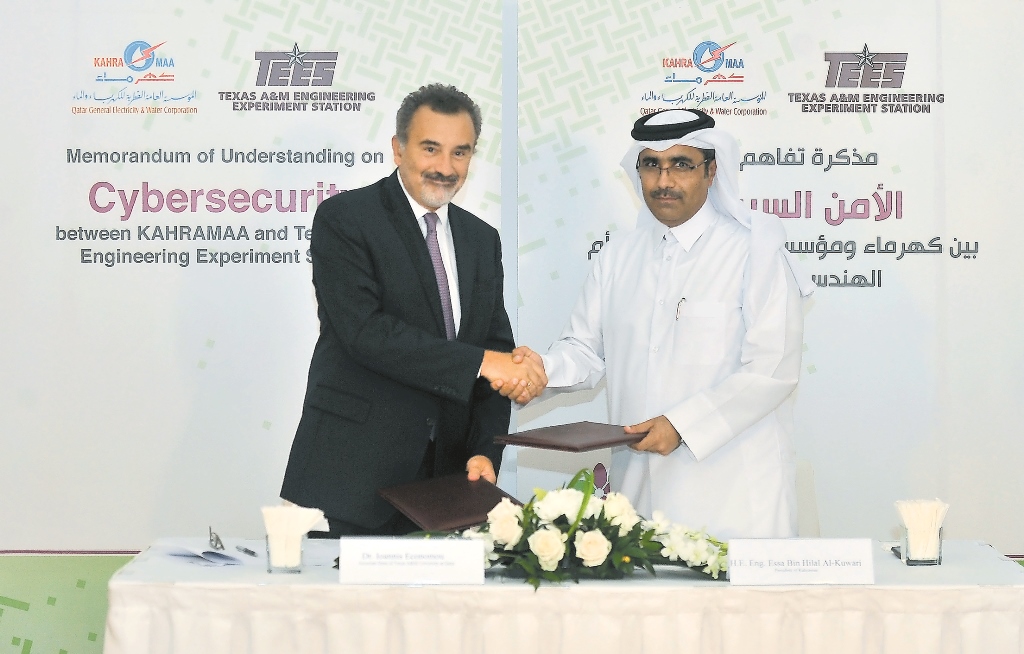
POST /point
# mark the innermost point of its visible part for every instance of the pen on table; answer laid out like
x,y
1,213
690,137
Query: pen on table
x,y
245,550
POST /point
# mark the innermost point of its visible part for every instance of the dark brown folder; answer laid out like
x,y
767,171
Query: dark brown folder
x,y
574,437
445,503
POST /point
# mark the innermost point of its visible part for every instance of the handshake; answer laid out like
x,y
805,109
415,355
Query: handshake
x,y
518,375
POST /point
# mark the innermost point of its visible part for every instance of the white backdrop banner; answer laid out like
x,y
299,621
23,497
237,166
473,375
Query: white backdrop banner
x,y
164,172
847,117
164,162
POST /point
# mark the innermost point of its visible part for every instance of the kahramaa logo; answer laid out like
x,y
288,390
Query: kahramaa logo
x,y
865,69
295,68
141,56
709,57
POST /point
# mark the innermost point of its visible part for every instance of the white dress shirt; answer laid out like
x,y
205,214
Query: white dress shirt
x,y
670,316
445,244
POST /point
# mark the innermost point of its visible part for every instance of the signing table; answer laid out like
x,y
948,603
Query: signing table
x,y
973,602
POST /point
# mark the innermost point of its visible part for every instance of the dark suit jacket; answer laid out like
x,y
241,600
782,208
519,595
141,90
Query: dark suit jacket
x,y
383,377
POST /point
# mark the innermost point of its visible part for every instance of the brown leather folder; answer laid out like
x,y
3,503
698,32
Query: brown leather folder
x,y
574,437
445,503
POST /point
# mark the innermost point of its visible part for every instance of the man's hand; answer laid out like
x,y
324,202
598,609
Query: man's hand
x,y
661,437
523,392
480,466
519,375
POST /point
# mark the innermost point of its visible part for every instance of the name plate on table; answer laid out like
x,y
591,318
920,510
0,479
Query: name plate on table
x,y
800,561
411,561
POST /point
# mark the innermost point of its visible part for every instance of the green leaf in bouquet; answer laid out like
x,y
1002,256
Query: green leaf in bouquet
x,y
583,481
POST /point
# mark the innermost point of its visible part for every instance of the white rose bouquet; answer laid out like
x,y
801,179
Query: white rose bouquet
x,y
570,534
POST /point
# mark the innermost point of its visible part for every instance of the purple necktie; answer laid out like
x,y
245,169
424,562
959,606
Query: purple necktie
x,y
442,277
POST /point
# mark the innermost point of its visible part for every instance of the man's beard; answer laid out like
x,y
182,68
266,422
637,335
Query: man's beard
x,y
440,193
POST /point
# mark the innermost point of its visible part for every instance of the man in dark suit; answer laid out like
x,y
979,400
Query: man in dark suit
x,y
412,330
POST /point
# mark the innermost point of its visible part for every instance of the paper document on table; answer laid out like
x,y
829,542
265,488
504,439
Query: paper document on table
x,y
199,555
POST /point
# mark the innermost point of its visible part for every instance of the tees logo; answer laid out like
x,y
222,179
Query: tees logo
x,y
865,69
709,57
295,68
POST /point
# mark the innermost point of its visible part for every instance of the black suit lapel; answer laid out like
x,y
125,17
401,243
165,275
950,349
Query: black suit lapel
x,y
406,224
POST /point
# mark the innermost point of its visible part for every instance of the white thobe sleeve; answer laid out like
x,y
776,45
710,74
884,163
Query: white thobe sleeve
x,y
770,367
576,360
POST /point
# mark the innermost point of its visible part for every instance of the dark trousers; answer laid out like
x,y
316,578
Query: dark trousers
x,y
397,525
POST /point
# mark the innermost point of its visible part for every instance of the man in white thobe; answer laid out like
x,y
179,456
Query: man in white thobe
x,y
695,318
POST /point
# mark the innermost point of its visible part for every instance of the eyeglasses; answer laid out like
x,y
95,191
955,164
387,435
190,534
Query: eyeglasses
x,y
652,169
215,541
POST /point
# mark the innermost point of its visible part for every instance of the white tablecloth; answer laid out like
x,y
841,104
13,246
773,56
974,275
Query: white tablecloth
x,y
973,602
